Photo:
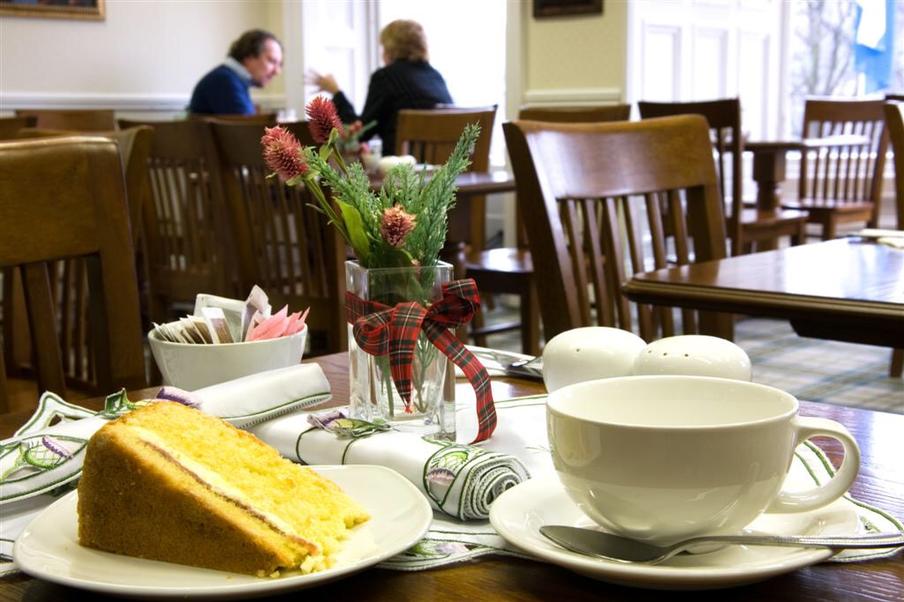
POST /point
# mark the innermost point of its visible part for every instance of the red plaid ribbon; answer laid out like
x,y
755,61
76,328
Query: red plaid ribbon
x,y
380,330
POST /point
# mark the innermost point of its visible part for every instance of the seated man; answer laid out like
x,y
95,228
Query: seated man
x,y
254,59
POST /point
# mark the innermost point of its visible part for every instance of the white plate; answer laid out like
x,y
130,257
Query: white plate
x,y
48,548
519,513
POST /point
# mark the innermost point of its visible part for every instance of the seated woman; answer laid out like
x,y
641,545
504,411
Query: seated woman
x,y
406,82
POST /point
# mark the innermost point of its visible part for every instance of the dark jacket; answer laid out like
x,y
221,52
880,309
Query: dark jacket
x,y
222,91
400,85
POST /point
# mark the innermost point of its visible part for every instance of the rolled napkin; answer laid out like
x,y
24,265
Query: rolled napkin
x,y
459,480
259,397
39,457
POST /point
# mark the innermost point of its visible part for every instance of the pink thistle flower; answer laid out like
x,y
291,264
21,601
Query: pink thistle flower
x,y
282,153
322,118
396,225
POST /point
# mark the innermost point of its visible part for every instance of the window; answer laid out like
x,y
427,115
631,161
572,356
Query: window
x,y
822,57
466,40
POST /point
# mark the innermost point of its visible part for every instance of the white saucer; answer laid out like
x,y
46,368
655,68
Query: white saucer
x,y
519,513
48,548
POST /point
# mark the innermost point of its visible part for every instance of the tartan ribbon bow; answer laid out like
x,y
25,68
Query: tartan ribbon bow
x,y
380,330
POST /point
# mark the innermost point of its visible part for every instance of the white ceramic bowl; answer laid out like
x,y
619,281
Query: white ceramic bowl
x,y
191,367
589,353
694,354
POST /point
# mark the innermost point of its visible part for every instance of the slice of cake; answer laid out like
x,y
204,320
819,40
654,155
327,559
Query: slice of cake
x,y
167,482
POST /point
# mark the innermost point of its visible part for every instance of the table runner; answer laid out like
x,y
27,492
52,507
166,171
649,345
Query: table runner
x,y
522,433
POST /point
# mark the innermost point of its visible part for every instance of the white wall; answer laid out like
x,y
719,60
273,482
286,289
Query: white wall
x,y
578,59
146,55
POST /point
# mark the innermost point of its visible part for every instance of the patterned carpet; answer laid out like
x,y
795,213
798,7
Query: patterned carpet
x,y
810,369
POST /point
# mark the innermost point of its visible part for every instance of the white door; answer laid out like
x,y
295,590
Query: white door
x,y
682,50
329,36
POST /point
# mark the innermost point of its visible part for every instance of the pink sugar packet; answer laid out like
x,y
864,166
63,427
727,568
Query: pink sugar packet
x,y
280,324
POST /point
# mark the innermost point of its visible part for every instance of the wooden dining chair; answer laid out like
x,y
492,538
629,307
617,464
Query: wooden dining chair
x,y
577,113
185,221
284,244
841,163
65,198
134,147
80,120
11,126
747,226
894,121
430,135
593,195
510,270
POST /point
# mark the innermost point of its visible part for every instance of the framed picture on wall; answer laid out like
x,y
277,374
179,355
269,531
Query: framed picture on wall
x,y
54,9
557,8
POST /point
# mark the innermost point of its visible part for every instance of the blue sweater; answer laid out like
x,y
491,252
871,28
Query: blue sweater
x,y
222,91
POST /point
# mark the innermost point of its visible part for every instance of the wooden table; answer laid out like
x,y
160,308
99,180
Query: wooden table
x,y
881,482
469,222
844,289
769,170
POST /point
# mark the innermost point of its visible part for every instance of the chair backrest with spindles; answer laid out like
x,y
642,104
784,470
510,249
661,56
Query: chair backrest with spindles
x,y
69,280
65,198
430,136
283,243
844,172
598,199
185,223
724,118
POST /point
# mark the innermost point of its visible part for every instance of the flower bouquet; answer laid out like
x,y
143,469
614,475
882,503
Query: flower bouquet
x,y
400,302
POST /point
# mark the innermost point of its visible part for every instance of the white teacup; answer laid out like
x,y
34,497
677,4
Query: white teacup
x,y
663,458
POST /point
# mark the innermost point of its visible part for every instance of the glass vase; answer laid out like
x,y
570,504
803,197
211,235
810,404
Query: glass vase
x,y
373,395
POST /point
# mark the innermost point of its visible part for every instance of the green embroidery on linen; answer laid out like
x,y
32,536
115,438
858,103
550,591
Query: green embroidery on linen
x,y
37,454
444,466
118,404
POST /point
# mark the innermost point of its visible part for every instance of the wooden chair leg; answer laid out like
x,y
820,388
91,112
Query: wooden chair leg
x,y
477,323
800,237
4,398
897,363
530,323
828,229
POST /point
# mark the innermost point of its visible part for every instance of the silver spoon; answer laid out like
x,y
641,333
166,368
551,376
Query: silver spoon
x,y
613,547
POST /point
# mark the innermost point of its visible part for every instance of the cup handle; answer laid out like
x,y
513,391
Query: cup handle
x,y
821,495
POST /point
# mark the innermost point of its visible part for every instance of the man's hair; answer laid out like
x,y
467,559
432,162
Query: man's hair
x,y
250,44
404,39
